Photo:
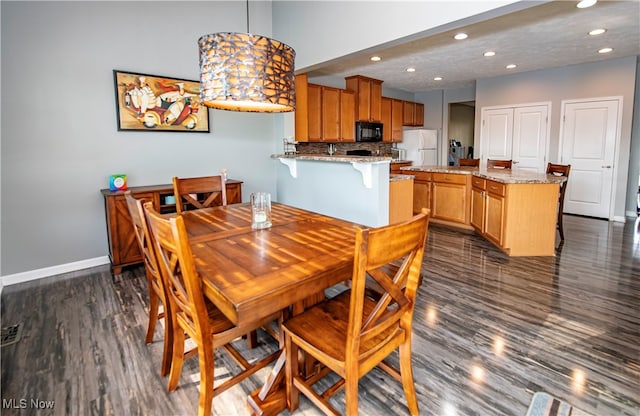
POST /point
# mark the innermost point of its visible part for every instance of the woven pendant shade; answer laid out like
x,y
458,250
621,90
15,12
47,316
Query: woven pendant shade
x,y
244,72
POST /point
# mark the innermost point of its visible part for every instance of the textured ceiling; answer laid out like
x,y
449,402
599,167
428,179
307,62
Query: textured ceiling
x,y
549,35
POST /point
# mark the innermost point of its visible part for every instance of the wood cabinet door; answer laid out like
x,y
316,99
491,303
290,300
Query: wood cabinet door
x,y
364,99
419,115
347,116
494,218
301,113
449,201
234,193
314,115
396,120
408,112
375,113
477,209
421,195
122,238
330,114
385,116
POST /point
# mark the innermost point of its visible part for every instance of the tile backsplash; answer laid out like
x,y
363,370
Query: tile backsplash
x,y
378,148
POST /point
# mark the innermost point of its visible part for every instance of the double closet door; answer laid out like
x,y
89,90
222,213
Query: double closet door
x,y
517,133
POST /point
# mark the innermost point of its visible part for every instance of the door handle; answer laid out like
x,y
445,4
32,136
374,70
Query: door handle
x,y
606,167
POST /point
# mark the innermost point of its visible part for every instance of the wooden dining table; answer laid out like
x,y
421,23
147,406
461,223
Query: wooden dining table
x,y
249,273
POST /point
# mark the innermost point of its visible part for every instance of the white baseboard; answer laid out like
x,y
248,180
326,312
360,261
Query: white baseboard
x,y
632,214
619,219
12,279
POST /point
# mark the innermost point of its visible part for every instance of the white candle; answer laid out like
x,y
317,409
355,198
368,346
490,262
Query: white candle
x,y
259,217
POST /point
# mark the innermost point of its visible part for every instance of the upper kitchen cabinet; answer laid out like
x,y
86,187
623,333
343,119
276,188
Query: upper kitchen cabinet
x,y
368,97
392,114
323,113
338,107
413,114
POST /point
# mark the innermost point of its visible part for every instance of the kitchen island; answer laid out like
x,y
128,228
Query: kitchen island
x,y
515,210
353,188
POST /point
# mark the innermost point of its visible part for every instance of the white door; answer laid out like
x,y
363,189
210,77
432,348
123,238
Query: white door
x,y
589,135
530,127
497,134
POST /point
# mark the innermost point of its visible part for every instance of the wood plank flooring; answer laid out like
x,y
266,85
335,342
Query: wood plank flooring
x,y
489,331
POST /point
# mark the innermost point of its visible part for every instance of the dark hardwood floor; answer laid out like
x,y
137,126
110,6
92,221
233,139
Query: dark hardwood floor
x,y
489,331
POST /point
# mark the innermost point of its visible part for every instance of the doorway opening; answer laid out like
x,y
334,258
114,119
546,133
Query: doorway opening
x,y
460,130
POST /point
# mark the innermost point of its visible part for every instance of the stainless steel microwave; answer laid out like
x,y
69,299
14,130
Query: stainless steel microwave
x,y
368,132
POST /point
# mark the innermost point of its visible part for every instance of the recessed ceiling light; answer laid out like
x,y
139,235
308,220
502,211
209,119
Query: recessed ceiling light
x,y
511,66
437,78
489,53
411,69
595,32
460,36
375,58
605,50
586,3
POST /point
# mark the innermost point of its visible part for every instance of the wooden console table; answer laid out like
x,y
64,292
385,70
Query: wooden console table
x,y
123,247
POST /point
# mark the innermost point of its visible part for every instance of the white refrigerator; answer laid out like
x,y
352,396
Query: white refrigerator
x,y
421,146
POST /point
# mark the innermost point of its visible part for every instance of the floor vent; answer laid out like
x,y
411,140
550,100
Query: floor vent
x,y
11,334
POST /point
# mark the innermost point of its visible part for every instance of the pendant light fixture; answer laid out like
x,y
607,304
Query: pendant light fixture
x,y
245,72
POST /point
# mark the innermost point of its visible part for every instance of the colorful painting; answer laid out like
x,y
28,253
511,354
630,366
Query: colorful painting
x,y
152,103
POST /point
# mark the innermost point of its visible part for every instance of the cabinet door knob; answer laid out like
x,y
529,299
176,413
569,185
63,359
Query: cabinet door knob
x,y
606,167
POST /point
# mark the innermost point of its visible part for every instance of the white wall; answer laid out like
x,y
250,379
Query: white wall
x,y
615,77
59,136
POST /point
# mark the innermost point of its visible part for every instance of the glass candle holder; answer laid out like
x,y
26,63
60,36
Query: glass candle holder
x,y
260,210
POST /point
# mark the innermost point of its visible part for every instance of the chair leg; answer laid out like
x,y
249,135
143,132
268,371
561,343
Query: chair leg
x,y
168,345
407,377
177,359
560,229
291,370
154,304
351,393
205,358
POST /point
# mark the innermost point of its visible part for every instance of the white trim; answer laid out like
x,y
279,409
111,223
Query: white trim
x,y
12,279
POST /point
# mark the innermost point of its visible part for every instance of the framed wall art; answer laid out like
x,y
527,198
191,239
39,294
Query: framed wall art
x,y
153,103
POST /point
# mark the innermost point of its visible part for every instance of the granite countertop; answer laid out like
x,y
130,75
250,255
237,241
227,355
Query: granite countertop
x,y
334,158
506,176
394,177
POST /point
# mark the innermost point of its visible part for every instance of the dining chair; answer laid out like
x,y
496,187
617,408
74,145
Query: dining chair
x,y
500,164
194,315
155,285
560,170
469,162
200,192
352,333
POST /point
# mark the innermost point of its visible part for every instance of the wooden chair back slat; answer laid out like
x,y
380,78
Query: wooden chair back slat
x,y
500,164
200,192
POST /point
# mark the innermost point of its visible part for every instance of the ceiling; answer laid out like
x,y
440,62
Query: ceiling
x,y
547,35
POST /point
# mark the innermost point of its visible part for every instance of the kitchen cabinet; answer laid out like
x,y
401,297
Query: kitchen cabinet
x,y
314,115
421,190
412,114
400,200
396,120
478,188
519,218
392,114
323,113
368,97
450,197
487,209
494,215
123,246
